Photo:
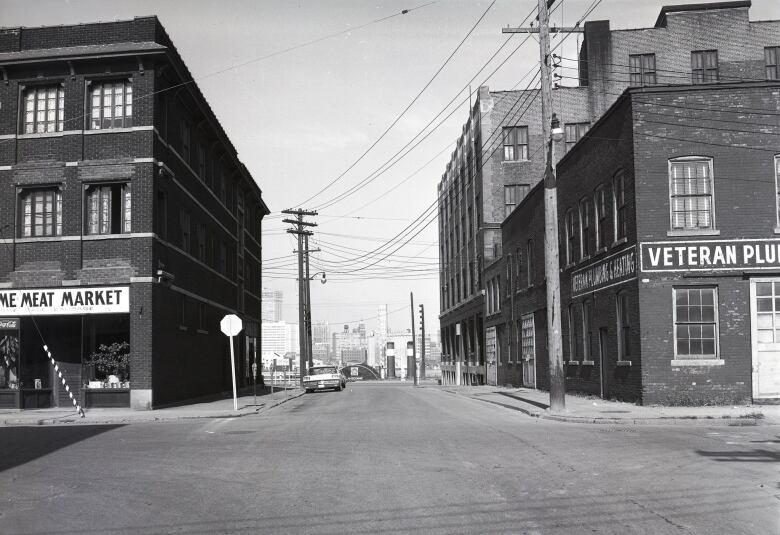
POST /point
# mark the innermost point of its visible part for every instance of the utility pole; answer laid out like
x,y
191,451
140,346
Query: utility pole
x,y
411,362
551,260
301,233
422,341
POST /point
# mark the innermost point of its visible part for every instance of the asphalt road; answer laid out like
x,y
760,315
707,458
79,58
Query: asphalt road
x,y
389,459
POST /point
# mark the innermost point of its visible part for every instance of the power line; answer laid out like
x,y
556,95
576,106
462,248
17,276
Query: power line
x,y
400,116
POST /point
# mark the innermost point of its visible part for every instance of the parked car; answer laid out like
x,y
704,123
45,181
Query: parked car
x,y
323,378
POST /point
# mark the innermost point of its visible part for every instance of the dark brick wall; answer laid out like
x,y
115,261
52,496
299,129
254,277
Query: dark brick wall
x,y
174,363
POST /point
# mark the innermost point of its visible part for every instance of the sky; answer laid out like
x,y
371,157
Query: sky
x,y
319,96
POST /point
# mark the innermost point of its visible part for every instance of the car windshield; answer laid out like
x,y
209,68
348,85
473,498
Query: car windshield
x,y
322,371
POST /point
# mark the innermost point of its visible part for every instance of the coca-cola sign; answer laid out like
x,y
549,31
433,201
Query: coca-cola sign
x,y
9,324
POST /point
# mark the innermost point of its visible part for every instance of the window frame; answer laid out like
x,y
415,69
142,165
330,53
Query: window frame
x,y
580,129
126,120
703,74
623,327
516,193
55,218
601,230
768,50
37,126
619,211
530,260
185,230
711,178
587,245
523,346
587,332
643,72
124,209
513,141
777,191
715,323
571,223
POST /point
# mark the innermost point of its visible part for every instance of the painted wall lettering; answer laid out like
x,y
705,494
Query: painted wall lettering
x,y
64,301
716,255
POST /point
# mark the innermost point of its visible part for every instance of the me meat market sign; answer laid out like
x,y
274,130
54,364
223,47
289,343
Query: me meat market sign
x,y
715,255
610,271
65,301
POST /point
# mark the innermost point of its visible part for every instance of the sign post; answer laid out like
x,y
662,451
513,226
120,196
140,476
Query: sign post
x,y
231,325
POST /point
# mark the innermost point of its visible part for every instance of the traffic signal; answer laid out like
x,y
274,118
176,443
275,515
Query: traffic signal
x,y
422,315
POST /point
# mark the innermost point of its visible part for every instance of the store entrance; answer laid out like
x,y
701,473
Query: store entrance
x,y
765,327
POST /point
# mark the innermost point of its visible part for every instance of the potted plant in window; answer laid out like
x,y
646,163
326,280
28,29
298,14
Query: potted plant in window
x,y
110,361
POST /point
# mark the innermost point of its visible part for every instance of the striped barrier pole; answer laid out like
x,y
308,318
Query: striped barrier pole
x,y
67,388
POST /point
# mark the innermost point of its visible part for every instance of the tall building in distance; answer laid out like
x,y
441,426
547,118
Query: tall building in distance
x,y
272,305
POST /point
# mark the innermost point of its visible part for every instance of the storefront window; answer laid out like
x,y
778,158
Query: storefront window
x,y
9,354
106,351
696,322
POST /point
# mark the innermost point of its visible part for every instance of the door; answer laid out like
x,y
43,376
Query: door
x,y
603,362
528,350
765,331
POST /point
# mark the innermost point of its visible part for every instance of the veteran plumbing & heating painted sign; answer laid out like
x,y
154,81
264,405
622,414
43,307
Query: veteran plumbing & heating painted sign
x,y
615,269
64,301
713,255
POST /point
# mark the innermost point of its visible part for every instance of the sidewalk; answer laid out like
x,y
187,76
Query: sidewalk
x,y
593,410
221,408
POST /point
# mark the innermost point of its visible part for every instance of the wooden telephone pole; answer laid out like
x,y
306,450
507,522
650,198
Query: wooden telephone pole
x,y
303,256
551,260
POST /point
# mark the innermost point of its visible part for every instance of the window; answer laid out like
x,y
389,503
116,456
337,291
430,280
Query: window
x,y
601,217
201,162
111,105
223,259
586,228
44,109
513,194
518,267
623,326
41,212
184,132
767,312
509,275
642,69
619,198
574,133
587,335
777,187
109,209
575,335
162,215
201,316
184,230
696,322
572,236
200,236
704,66
690,185
515,143
527,337
183,312
529,255
772,61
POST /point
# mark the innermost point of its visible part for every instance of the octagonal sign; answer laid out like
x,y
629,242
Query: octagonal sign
x,y
231,325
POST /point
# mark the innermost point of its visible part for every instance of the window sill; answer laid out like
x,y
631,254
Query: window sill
x,y
122,130
584,258
514,161
573,362
698,362
621,241
588,363
600,250
182,328
47,134
91,237
693,232
777,230
201,331
623,363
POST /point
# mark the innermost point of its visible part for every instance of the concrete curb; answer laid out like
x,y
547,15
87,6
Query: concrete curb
x,y
730,421
142,417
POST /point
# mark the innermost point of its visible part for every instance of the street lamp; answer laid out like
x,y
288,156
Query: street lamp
x,y
556,131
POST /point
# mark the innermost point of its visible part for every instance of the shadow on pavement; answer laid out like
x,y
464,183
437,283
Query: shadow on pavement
x,y
23,444
752,456
525,400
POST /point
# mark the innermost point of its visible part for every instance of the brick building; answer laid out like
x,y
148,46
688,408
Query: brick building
x,y
689,45
129,224
496,162
670,257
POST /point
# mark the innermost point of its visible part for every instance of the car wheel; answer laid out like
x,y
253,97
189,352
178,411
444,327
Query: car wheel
x,y
309,390
338,388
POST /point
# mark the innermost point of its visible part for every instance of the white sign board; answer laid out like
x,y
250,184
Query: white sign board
x,y
65,301
231,325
